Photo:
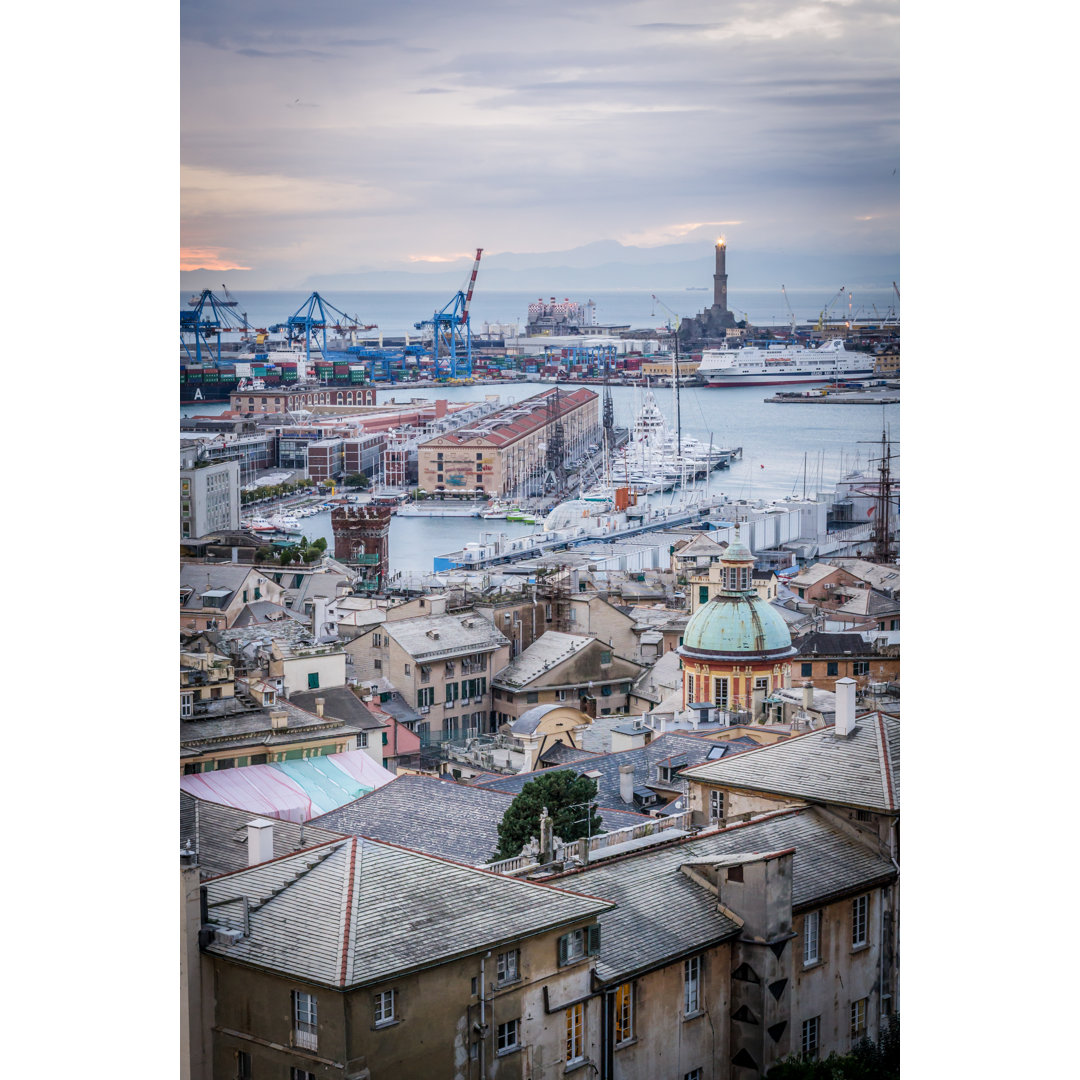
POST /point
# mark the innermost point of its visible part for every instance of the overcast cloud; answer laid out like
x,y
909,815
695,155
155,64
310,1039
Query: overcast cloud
x,y
327,137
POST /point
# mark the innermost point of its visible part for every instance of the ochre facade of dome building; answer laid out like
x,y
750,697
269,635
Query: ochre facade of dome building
x,y
736,650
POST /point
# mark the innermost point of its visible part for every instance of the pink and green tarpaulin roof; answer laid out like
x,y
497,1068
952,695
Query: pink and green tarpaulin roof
x,y
291,790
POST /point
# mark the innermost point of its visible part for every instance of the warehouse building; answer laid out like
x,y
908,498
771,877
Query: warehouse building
x,y
505,453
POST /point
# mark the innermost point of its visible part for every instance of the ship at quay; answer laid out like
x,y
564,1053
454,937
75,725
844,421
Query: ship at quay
x,y
779,362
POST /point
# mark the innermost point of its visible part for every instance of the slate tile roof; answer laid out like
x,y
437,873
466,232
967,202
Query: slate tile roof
x,y
218,835
439,817
862,770
355,912
341,704
645,759
252,728
548,650
823,644
456,634
661,914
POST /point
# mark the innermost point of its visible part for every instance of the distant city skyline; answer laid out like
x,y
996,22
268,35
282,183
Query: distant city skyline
x,y
339,139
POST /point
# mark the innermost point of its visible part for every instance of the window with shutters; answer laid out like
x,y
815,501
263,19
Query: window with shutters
x,y
811,938
703,594
575,1033
313,680
860,907
832,668
858,1019
624,1013
506,967
384,1008
692,986
506,1037
579,943
807,670
720,693
305,1020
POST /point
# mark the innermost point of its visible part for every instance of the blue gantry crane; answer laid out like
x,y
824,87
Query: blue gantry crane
x,y
451,331
202,327
313,318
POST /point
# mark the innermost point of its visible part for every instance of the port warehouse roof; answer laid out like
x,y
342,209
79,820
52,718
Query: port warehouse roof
x,y
528,416
291,790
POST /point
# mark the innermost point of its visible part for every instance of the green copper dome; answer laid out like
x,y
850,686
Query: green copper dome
x,y
737,551
736,624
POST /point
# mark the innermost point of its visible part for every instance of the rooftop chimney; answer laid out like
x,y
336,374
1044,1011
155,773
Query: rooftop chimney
x,y
807,695
319,704
845,707
260,841
626,783
279,719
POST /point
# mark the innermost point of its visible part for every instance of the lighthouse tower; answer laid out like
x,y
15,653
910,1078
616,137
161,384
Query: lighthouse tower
x,y
720,277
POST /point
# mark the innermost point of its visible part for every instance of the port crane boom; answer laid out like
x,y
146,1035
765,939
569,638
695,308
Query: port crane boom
x,y
451,330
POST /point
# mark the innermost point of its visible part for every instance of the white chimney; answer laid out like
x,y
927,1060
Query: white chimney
x,y
807,696
319,705
260,841
845,707
626,783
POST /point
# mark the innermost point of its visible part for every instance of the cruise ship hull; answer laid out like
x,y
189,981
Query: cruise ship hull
x,y
755,379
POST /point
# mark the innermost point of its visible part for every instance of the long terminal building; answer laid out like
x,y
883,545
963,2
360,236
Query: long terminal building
x,y
505,453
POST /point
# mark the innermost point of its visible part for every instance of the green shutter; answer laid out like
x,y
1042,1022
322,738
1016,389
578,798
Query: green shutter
x,y
564,948
703,594
385,740
313,680
594,940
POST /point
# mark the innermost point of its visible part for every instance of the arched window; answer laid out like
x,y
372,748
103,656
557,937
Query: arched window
x,y
340,398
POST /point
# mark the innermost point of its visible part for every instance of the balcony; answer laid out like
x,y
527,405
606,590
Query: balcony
x,y
308,1040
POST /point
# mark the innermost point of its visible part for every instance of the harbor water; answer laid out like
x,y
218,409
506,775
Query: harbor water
x,y
776,439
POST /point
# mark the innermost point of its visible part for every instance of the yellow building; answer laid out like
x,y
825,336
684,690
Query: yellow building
x,y
736,650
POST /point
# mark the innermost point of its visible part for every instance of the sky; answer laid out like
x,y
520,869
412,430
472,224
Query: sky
x,y
336,136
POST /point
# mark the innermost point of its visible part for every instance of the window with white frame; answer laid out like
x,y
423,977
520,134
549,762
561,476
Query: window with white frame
x,y
624,1013
384,1008
858,1018
860,907
575,1033
811,938
720,693
361,740
692,986
693,1074
810,1029
506,1036
186,707
716,805
300,1074
762,683
305,1020
506,967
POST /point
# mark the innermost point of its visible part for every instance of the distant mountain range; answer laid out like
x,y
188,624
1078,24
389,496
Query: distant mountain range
x,y
603,265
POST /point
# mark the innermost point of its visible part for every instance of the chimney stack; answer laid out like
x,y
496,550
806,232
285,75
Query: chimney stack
x,y
626,783
807,696
320,704
845,707
279,719
260,841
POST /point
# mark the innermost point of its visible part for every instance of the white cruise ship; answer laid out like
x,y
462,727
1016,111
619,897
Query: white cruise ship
x,y
783,362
